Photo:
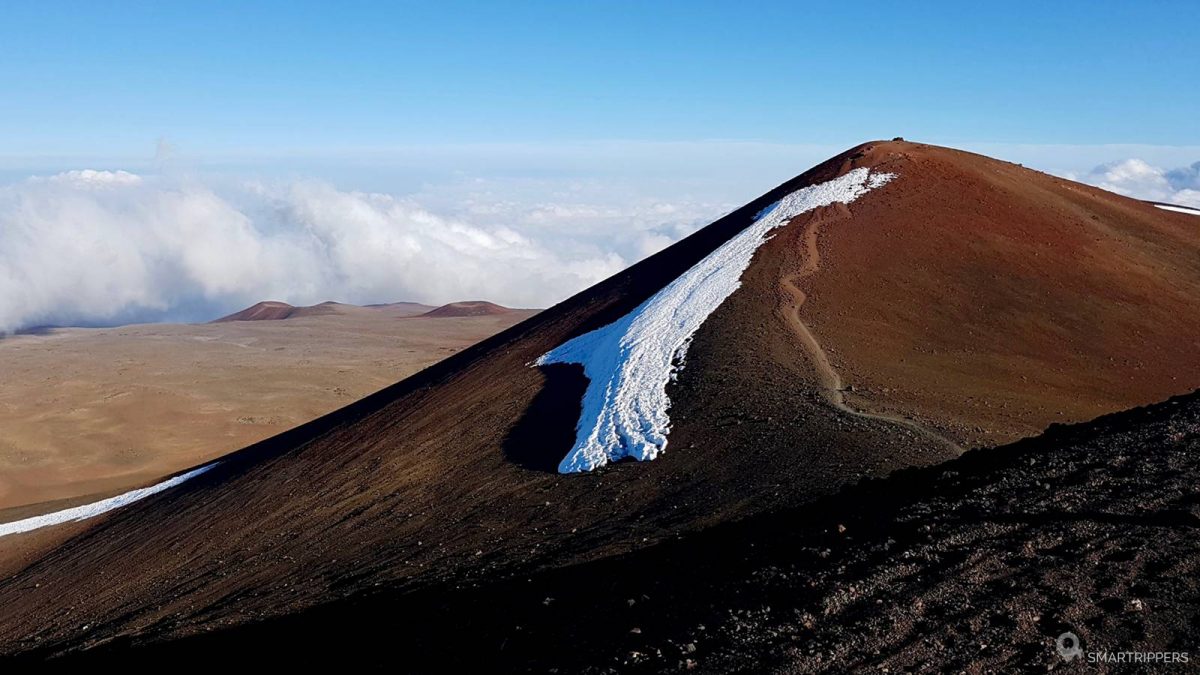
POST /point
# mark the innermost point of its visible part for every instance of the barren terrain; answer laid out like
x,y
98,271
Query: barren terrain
x,y
86,412
976,565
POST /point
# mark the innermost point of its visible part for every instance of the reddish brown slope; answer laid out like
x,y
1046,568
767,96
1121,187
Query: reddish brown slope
x,y
442,477
995,300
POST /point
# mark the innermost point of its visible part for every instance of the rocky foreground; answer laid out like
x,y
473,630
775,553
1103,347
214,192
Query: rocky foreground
x,y
977,565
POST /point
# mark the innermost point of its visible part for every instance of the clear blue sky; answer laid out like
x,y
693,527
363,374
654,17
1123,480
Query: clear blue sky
x,y
94,78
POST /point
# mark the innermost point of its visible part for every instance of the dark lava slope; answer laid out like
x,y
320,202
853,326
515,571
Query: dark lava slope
x,y
976,565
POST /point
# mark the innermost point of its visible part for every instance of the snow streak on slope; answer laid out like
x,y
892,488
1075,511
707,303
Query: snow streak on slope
x,y
96,508
629,362
1179,209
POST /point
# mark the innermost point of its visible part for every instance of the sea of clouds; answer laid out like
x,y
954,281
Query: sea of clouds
x,y
1140,179
106,247
93,247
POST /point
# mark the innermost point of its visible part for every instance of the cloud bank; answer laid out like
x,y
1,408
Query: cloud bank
x,y
104,247
1140,179
89,247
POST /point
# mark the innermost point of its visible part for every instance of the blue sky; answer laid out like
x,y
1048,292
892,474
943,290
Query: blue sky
x,y
181,160
96,79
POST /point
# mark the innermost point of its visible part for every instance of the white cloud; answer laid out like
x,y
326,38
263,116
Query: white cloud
x,y
1142,180
523,228
97,247
1187,177
93,178
629,218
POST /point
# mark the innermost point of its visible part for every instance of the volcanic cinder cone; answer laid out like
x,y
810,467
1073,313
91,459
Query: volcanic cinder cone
x,y
963,301
273,310
467,308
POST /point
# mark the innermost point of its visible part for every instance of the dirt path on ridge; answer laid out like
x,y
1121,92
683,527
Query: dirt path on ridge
x,y
828,379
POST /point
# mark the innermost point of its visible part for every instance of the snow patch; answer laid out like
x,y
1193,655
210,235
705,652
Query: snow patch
x,y
1179,209
630,361
96,508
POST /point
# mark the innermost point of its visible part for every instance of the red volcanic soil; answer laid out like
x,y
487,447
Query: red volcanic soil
x,y
990,300
967,300
467,308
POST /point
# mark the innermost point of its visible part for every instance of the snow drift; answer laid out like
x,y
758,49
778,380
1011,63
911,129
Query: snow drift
x,y
96,508
629,362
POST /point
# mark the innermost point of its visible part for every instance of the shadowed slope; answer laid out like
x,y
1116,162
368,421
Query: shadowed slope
x,y
973,564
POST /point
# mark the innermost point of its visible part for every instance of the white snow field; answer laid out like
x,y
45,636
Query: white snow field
x,y
96,508
629,362
1179,209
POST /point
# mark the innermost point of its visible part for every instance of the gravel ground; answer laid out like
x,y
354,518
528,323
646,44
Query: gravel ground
x,y
975,565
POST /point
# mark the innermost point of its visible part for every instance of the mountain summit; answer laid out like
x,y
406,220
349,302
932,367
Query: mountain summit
x,y
883,310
